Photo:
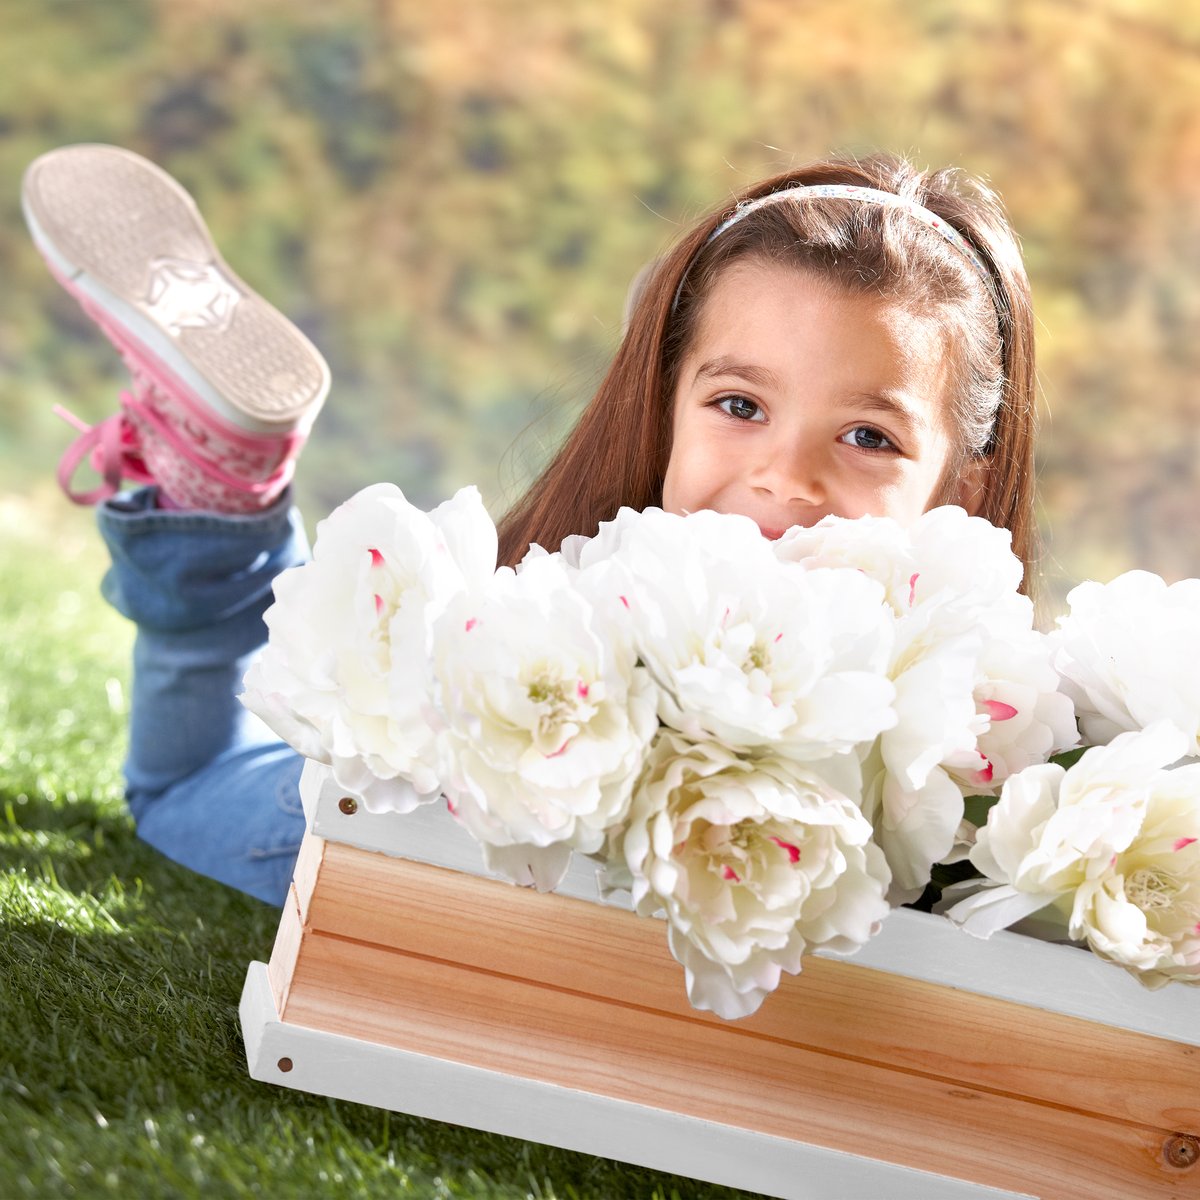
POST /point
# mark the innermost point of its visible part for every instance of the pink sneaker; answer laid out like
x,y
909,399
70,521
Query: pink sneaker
x,y
225,388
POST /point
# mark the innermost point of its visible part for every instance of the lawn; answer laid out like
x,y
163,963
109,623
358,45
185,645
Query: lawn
x,y
122,1071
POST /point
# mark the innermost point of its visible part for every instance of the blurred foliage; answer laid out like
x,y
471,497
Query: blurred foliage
x,y
451,199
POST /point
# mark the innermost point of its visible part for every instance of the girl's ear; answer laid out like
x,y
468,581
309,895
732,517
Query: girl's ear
x,y
972,484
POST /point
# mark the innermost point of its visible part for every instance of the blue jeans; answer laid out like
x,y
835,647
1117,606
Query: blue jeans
x,y
208,784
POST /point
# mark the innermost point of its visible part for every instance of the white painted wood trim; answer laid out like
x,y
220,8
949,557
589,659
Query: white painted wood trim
x,y
350,1069
1008,966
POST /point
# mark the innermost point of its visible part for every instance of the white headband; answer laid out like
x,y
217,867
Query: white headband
x,y
866,195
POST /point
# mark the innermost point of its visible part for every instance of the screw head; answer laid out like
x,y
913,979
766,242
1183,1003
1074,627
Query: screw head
x,y
348,805
1181,1150
284,1064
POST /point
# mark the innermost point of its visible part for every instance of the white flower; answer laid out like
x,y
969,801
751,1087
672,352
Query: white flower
x,y
753,863
1113,843
975,695
1127,651
945,555
1021,715
545,718
747,650
908,795
880,547
344,674
583,552
967,557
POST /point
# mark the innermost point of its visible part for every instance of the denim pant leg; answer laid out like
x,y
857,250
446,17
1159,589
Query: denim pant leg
x,y
208,784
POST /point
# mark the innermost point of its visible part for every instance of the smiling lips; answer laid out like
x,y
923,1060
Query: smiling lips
x,y
772,535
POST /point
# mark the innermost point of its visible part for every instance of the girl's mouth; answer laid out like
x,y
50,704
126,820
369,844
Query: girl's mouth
x,y
772,535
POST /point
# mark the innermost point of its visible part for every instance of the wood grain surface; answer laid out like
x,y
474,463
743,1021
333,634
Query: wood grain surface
x,y
541,986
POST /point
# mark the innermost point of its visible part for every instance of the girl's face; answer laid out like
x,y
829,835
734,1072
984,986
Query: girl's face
x,y
799,399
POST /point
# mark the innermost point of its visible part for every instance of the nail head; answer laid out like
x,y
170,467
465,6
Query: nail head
x,y
348,805
1182,1150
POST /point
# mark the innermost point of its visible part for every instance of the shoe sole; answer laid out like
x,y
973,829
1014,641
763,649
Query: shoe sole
x,y
123,235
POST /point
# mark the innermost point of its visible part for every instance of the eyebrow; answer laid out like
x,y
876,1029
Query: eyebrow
x,y
726,364
889,403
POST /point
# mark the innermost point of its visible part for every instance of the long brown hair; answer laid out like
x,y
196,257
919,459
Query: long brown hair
x,y
617,453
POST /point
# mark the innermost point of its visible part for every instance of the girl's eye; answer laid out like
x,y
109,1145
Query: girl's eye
x,y
741,408
864,437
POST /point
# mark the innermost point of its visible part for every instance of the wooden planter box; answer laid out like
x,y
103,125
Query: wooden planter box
x,y
930,1065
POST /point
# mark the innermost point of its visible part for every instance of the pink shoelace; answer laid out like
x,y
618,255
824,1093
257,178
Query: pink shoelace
x,y
113,446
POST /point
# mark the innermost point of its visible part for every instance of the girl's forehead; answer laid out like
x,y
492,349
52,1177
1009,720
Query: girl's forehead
x,y
756,281
795,319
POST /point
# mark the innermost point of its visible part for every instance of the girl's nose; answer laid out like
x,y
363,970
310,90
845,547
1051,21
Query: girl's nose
x,y
791,475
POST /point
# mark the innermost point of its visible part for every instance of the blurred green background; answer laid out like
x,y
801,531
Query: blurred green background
x,y
451,198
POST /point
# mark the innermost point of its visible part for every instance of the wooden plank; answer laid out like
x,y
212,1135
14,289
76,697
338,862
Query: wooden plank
x,y
295,913
833,1006
348,1068
1007,966
308,867
723,1073
288,938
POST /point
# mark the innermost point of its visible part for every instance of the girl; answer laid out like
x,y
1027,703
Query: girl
x,y
849,337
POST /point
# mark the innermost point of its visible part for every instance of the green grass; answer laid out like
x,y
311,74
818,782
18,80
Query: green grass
x,y
122,1071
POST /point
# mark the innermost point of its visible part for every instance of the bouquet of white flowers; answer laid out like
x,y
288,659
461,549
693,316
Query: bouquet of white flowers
x,y
768,744
1105,849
